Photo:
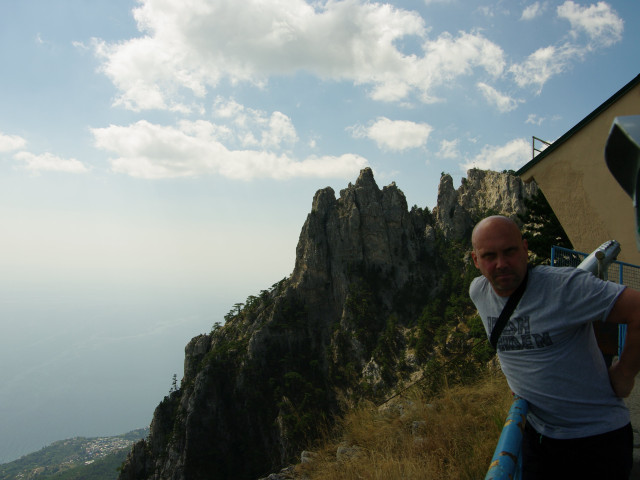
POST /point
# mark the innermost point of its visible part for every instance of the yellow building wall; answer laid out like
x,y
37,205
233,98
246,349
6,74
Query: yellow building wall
x,y
587,200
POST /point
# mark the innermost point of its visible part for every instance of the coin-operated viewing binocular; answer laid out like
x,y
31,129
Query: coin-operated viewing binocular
x,y
622,154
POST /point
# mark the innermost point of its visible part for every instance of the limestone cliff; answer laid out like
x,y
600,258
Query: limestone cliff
x,y
483,192
257,389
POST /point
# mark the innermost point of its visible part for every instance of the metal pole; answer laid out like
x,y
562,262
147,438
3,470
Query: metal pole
x,y
622,328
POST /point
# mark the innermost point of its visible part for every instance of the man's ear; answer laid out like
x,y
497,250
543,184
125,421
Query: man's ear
x,y
526,244
475,259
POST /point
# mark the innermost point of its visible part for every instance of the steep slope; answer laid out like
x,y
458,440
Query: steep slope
x,y
257,389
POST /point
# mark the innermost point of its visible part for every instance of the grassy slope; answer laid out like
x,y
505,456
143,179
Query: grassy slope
x,y
451,436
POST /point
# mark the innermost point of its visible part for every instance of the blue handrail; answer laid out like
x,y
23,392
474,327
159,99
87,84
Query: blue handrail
x,y
505,463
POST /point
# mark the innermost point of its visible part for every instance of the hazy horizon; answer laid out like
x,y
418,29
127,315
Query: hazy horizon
x,y
96,364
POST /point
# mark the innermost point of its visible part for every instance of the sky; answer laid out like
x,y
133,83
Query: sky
x,y
158,160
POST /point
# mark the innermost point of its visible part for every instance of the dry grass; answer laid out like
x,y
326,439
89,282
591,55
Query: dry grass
x,y
449,437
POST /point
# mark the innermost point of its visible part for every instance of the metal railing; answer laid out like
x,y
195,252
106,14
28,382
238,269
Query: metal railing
x,y
535,149
617,272
506,461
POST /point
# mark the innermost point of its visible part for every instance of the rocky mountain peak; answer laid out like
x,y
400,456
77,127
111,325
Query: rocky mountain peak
x,y
365,229
365,179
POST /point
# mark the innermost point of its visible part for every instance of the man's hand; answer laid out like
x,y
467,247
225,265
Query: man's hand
x,y
622,381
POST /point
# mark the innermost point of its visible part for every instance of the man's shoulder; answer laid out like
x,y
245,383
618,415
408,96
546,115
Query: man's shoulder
x,y
561,273
554,280
477,285
554,271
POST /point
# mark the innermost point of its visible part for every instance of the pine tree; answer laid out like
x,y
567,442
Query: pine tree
x,y
541,228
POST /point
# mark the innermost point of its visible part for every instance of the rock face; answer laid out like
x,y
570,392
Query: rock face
x,y
482,193
257,389
365,230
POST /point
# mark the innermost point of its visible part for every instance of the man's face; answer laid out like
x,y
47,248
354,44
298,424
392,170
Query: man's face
x,y
501,254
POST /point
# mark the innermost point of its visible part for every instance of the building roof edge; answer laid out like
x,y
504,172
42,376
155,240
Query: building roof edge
x,y
578,126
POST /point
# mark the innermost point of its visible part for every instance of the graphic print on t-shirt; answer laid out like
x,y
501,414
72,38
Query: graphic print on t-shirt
x,y
517,335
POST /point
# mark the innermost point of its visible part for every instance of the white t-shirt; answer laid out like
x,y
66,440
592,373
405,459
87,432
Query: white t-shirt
x,y
549,353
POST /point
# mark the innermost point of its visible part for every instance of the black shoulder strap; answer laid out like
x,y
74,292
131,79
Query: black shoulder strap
x,y
508,309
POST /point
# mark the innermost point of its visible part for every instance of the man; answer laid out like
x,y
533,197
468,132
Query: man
x,y
577,425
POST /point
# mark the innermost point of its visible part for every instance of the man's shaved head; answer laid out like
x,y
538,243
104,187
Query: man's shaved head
x,y
500,253
490,222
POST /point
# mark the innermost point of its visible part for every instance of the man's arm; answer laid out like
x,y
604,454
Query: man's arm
x,y
623,372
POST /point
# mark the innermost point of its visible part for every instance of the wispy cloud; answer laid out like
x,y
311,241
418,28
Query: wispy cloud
x,y
449,149
599,22
44,162
533,11
9,143
47,162
502,102
534,119
545,63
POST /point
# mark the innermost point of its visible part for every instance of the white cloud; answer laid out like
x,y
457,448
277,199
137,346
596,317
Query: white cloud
x,y
448,58
45,162
394,135
510,156
600,22
255,127
185,51
191,149
232,110
449,149
51,163
486,11
545,63
534,119
532,11
281,130
9,143
502,102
